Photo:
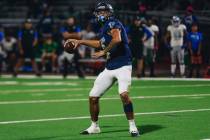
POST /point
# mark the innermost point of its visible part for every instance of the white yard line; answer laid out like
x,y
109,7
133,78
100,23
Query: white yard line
x,y
41,90
51,83
103,116
172,86
21,76
171,79
8,91
110,98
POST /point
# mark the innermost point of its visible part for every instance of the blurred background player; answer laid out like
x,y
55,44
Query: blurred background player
x,y
1,33
27,40
138,35
48,17
46,23
87,33
2,55
150,47
71,30
175,34
189,18
195,47
114,44
49,53
9,46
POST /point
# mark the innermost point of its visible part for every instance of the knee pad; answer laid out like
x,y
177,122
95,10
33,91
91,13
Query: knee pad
x,y
94,100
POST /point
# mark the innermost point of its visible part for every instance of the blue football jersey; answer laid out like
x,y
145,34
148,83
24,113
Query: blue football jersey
x,y
119,55
195,39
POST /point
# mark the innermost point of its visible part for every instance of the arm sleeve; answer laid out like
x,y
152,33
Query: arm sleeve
x,y
184,27
78,29
114,25
168,29
147,32
63,29
155,28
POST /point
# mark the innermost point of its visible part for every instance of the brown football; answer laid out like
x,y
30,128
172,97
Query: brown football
x,y
69,47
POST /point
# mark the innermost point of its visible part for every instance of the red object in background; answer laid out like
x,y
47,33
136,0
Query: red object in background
x,y
142,8
207,72
190,9
96,64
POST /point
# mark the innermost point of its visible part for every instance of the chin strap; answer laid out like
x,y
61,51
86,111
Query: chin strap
x,y
101,18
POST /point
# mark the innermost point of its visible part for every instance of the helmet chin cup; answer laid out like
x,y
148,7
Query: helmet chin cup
x,y
101,18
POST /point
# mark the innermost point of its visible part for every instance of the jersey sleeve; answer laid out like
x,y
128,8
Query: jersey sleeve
x,y
77,29
114,25
184,27
14,40
155,28
63,29
147,32
168,28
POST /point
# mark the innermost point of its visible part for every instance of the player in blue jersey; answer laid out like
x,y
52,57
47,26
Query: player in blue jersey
x,y
195,45
27,40
114,44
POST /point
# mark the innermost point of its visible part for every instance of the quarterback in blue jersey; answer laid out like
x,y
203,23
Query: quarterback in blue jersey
x,y
114,44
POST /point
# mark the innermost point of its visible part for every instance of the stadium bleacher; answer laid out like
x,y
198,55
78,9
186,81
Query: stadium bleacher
x,y
13,14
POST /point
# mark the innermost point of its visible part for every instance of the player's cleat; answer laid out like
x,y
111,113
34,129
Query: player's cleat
x,y
173,75
91,130
38,74
14,74
183,76
134,132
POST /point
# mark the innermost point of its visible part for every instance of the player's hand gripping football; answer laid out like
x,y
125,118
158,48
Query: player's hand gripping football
x,y
75,42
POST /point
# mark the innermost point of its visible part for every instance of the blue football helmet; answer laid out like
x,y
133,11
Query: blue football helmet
x,y
102,6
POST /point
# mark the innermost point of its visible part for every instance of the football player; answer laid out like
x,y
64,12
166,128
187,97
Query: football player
x,y
151,46
114,44
176,33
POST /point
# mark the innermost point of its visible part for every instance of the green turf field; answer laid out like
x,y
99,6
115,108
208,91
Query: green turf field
x,y
57,109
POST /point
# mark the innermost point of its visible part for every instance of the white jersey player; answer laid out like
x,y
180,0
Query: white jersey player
x,y
176,33
150,47
150,43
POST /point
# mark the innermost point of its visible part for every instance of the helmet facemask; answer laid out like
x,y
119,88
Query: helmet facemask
x,y
102,16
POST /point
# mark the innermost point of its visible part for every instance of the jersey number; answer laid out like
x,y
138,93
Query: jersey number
x,y
177,35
